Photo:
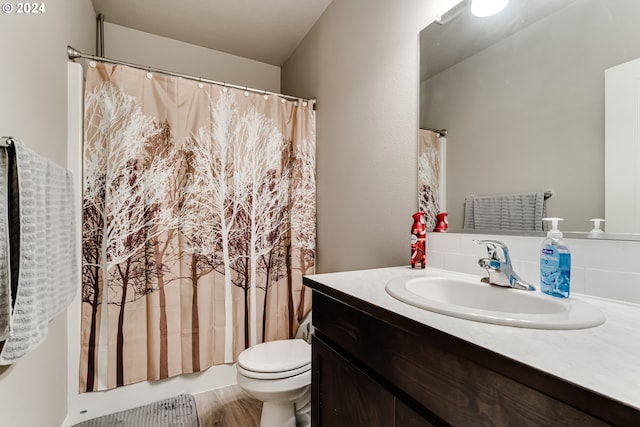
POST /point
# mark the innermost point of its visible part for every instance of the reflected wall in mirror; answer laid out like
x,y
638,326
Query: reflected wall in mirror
x,y
522,97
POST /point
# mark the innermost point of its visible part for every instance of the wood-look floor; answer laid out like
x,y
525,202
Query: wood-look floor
x,y
227,407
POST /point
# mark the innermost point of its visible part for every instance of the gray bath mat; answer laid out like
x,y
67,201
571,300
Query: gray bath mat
x,y
179,411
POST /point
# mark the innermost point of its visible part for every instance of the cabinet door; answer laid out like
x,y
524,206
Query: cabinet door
x,y
407,417
343,395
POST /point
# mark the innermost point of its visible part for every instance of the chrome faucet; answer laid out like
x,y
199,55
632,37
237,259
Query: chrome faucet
x,y
498,265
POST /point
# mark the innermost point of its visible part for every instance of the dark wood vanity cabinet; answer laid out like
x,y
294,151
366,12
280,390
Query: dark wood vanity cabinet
x,y
345,396
372,367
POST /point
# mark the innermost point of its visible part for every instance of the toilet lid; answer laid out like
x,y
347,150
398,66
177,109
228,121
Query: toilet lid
x,y
276,356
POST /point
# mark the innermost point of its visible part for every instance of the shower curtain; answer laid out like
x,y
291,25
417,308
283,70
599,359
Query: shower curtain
x,y
198,223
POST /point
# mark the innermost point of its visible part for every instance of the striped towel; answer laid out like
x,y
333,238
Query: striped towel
x,y
521,212
5,272
45,269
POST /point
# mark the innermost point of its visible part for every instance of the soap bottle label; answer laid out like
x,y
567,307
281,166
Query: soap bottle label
x,y
555,271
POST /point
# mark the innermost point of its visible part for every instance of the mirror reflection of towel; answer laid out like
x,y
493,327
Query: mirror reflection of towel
x,y
521,212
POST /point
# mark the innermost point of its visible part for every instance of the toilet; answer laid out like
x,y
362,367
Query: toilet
x,y
279,374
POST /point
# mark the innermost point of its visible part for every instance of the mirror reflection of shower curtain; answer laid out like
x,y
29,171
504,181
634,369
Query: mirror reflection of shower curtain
x,y
431,174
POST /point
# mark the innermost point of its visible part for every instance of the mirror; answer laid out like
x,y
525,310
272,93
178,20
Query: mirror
x,y
521,95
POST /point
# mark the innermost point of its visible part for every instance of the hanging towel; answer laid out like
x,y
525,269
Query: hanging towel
x,y
5,276
45,268
521,212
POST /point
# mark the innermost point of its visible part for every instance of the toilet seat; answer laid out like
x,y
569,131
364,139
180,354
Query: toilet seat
x,y
275,359
273,375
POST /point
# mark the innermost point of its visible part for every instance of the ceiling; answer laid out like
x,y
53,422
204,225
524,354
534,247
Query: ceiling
x,y
265,31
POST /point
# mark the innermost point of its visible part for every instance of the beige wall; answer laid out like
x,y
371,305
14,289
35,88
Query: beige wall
x,y
361,62
33,89
137,47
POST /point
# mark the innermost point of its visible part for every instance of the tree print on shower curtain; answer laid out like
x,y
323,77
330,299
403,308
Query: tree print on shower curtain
x,y
198,224
123,195
247,195
303,213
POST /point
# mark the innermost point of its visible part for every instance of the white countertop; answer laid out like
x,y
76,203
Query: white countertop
x,y
604,359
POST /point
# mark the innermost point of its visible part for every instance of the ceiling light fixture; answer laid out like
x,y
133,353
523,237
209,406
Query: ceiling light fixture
x,y
482,8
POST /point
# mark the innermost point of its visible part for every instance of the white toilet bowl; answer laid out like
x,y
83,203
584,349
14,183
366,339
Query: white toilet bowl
x,y
279,374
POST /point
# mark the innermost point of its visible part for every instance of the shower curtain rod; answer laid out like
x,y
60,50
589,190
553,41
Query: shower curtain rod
x,y
75,54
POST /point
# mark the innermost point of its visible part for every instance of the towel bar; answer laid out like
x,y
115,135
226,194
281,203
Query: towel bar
x,y
6,141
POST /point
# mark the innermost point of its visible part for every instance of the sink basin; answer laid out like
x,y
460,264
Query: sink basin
x,y
467,297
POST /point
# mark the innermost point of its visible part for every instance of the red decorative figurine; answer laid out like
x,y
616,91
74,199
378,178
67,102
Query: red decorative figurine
x,y
418,240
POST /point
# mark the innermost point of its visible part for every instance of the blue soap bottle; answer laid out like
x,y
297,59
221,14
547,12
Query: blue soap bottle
x,y
555,263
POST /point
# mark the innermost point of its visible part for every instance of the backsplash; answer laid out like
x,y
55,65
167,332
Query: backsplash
x,y
602,268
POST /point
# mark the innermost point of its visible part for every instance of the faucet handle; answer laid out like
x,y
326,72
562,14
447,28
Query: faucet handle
x,y
496,250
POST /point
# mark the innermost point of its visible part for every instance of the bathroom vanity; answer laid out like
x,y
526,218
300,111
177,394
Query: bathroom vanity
x,y
378,361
